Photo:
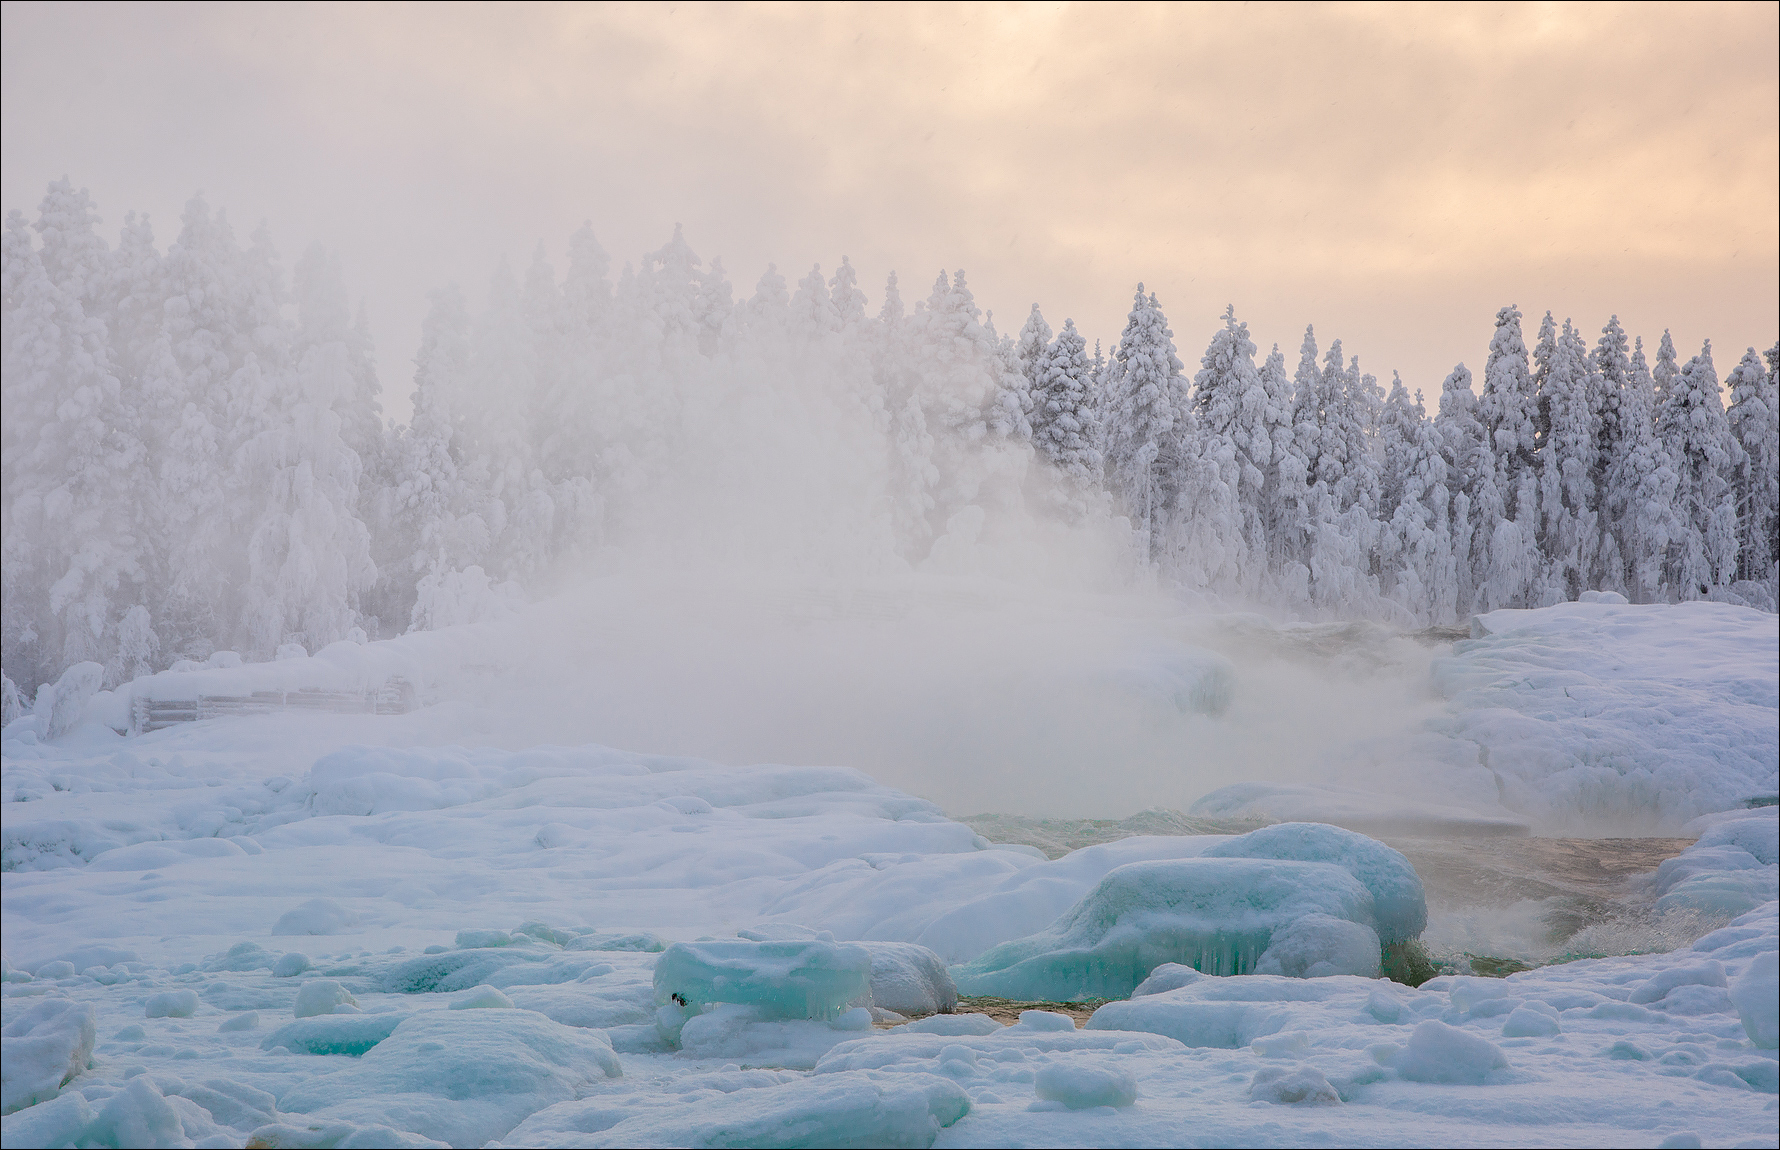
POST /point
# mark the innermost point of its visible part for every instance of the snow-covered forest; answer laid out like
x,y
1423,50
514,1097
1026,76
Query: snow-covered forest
x,y
196,459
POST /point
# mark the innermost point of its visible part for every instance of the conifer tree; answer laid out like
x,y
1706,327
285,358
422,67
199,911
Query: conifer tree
x,y
1693,427
1063,410
1569,528
1754,417
1510,412
1147,420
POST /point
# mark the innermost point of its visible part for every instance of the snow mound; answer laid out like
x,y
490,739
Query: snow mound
x,y
1231,1013
462,1077
905,978
786,978
1081,1085
1441,1053
1296,1086
1217,915
1730,870
757,1036
321,996
852,1109
45,1048
1756,995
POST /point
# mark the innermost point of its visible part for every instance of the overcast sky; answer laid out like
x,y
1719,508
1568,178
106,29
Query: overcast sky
x,y
1392,173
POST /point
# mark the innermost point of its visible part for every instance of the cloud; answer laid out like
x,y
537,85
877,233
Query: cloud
x,y
1392,172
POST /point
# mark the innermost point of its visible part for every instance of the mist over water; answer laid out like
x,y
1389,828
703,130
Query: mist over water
x,y
979,694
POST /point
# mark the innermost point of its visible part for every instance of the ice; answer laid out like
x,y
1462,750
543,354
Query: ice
x,y
349,1034
483,997
1296,1086
908,979
787,979
1399,904
1217,914
953,1024
1660,985
1756,995
171,1004
45,1048
57,1123
1234,1012
758,1036
1441,1053
316,916
851,1109
1168,976
320,996
1730,870
138,1115
290,964
1079,1085
1531,1022
1318,945
463,1077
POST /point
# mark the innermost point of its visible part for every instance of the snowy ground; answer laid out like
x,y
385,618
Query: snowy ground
x,y
191,886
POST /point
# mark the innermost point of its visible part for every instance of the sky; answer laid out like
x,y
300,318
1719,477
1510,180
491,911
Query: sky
x,y
1392,173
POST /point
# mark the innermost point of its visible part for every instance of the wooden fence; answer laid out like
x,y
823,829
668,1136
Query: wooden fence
x,y
394,697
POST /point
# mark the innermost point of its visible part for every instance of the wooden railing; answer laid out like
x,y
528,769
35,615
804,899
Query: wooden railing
x,y
394,697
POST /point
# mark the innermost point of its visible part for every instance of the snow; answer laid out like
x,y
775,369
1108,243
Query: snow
x,y
503,927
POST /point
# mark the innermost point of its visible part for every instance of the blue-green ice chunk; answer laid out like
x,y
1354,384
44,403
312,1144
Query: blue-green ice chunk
x,y
1215,915
1398,900
793,978
351,1034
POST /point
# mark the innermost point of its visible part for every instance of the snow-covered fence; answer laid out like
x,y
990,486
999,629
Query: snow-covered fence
x,y
395,696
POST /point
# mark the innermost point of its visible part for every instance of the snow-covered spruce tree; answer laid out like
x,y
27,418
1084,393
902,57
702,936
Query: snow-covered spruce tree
x,y
1666,369
849,301
1146,422
430,520
1611,363
1544,350
1330,417
71,552
1237,417
1285,490
1031,348
1418,567
1641,483
1475,505
1693,427
1754,417
1064,421
323,317
1570,533
1509,409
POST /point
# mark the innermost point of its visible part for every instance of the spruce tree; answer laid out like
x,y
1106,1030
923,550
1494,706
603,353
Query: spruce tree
x,y
1754,417
1063,410
1147,420
1693,428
